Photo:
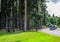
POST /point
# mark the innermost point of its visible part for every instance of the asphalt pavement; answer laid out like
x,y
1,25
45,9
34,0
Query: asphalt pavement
x,y
53,32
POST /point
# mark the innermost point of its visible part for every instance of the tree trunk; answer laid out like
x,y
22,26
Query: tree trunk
x,y
41,24
12,17
7,18
25,17
17,14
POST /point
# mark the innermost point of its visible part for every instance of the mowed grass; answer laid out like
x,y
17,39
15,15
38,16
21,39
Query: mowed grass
x,y
28,37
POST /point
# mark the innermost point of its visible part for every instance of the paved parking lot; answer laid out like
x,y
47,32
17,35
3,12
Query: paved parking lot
x,y
54,32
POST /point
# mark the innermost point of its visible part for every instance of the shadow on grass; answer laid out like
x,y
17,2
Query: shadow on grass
x,y
3,33
18,41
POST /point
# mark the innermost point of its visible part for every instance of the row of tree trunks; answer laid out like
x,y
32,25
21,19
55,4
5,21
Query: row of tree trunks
x,y
12,17
16,14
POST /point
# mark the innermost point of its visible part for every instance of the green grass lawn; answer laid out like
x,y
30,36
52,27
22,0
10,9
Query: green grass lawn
x,y
28,37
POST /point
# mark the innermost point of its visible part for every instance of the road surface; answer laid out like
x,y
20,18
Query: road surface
x,y
53,32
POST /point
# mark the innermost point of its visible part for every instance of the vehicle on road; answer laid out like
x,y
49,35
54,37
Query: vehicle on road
x,y
52,27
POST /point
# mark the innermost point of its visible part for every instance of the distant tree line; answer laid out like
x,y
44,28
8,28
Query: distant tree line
x,y
53,20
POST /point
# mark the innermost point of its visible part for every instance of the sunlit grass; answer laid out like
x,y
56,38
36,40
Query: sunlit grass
x,y
28,37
